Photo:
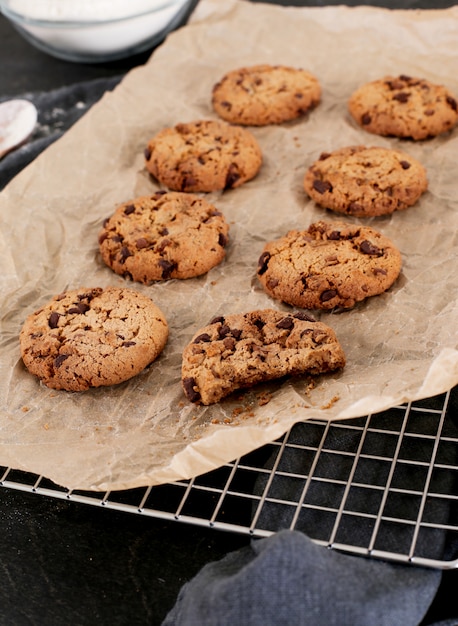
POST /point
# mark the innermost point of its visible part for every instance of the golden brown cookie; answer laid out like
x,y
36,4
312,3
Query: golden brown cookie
x,y
329,265
365,182
163,236
240,350
403,106
203,156
265,94
92,337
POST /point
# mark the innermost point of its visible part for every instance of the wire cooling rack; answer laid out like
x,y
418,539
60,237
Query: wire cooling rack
x,y
382,486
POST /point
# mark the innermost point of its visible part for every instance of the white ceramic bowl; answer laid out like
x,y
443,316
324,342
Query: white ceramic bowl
x,y
94,31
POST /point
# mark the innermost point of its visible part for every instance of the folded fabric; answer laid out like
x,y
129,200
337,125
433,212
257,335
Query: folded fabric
x,y
286,579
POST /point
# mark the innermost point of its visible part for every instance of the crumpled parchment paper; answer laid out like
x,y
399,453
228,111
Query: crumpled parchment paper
x,y
400,346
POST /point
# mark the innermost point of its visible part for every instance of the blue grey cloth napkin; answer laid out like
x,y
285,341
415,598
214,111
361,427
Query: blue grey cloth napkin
x,y
288,580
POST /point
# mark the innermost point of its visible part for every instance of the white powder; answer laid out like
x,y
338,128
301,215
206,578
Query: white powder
x,y
84,10
95,30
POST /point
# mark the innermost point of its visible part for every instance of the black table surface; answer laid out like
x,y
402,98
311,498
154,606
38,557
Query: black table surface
x,y
63,562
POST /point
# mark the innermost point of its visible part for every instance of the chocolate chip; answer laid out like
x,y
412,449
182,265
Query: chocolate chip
x,y
404,164
227,105
366,119
167,268
79,309
162,245
263,263
90,295
229,343
103,236
222,240
304,317
187,183
259,323
379,270
232,177
328,294
60,359
147,153
189,385
402,97
394,84
367,247
164,231
286,323
128,344
202,338
53,320
217,320
355,207
124,254
141,243
324,156
451,102
322,185
226,331
337,235
272,283
129,209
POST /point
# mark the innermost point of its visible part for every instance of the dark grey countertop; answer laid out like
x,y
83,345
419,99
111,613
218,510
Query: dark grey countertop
x,y
62,562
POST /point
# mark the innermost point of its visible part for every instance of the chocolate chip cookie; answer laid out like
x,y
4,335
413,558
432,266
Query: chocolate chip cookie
x,y
240,350
164,236
365,182
265,94
329,265
92,337
203,156
403,106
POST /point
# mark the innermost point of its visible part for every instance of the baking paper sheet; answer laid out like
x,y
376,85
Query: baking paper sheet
x,y
400,346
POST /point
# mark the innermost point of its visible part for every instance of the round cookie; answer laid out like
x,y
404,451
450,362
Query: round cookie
x,y
203,156
329,265
403,106
365,182
164,236
92,337
240,350
265,94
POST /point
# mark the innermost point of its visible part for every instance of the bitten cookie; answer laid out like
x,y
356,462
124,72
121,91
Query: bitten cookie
x,y
163,236
265,94
329,265
241,350
92,337
203,156
365,182
403,106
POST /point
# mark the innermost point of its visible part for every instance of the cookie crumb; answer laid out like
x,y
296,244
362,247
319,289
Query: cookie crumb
x,y
331,403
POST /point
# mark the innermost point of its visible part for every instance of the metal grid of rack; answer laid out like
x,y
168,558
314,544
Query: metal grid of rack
x,y
383,486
